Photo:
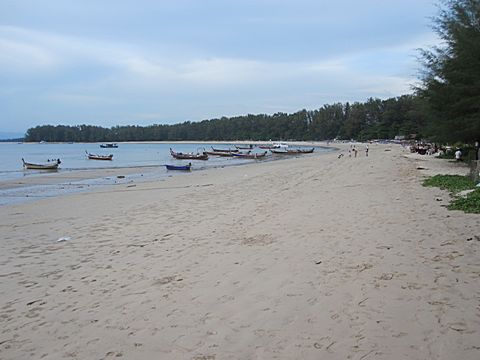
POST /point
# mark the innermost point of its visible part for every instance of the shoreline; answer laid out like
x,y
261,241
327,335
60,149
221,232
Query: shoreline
x,y
234,142
68,181
320,257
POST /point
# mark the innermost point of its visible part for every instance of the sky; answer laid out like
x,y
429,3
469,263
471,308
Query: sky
x,y
143,62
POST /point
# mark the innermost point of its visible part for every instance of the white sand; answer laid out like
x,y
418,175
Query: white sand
x,y
314,258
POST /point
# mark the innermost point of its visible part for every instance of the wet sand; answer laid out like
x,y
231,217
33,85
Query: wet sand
x,y
70,176
315,258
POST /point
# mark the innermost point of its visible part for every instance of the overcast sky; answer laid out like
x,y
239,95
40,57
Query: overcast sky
x,y
114,62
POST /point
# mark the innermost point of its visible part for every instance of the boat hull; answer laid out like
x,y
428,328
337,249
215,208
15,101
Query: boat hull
x,y
182,156
98,157
219,153
250,155
109,146
244,147
179,168
224,150
31,166
292,152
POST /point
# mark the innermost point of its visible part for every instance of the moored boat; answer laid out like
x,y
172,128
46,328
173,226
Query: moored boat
x,y
50,165
273,146
109,145
250,155
179,167
224,150
292,151
99,157
245,147
220,153
189,156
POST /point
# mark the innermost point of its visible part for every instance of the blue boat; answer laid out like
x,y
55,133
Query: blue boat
x,y
179,167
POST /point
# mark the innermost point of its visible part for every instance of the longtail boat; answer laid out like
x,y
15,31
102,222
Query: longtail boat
x,y
244,147
293,151
98,157
189,156
179,167
220,153
250,155
109,145
274,146
47,166
224,150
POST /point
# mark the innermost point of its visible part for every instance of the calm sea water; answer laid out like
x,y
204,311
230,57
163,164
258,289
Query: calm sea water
x,y
151,156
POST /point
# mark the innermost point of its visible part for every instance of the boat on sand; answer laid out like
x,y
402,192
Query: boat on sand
x,y
179,167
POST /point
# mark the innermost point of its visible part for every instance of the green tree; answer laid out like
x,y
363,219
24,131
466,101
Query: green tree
x,y
451,73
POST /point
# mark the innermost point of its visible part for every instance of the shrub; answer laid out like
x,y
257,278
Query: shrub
x,y
468,204
452,183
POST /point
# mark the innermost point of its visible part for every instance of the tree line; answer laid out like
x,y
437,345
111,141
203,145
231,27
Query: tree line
x,y
445,107
375,118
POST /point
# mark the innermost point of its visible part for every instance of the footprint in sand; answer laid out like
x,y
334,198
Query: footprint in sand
x,y
325,343
166,280
260,240
113,354
34,312
412,286
460,327
386,277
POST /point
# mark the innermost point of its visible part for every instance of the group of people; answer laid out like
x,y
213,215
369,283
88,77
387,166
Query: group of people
x,y
354,151
433,149
425,148
421,148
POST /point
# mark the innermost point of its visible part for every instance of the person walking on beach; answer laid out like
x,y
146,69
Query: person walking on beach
x,y
366,150
354,150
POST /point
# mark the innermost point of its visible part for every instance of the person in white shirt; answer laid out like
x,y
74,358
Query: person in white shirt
x,y
458,155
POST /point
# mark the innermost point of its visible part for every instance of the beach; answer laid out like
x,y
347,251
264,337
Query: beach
x,y
305,258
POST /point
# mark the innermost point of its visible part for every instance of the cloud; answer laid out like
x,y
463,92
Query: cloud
x,y
141,66
80,99
120,81
24,49
23,55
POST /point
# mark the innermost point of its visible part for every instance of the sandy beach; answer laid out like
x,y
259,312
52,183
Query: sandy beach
x,y
306,258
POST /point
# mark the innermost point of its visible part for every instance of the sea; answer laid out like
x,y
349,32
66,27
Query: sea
x,y
144,162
